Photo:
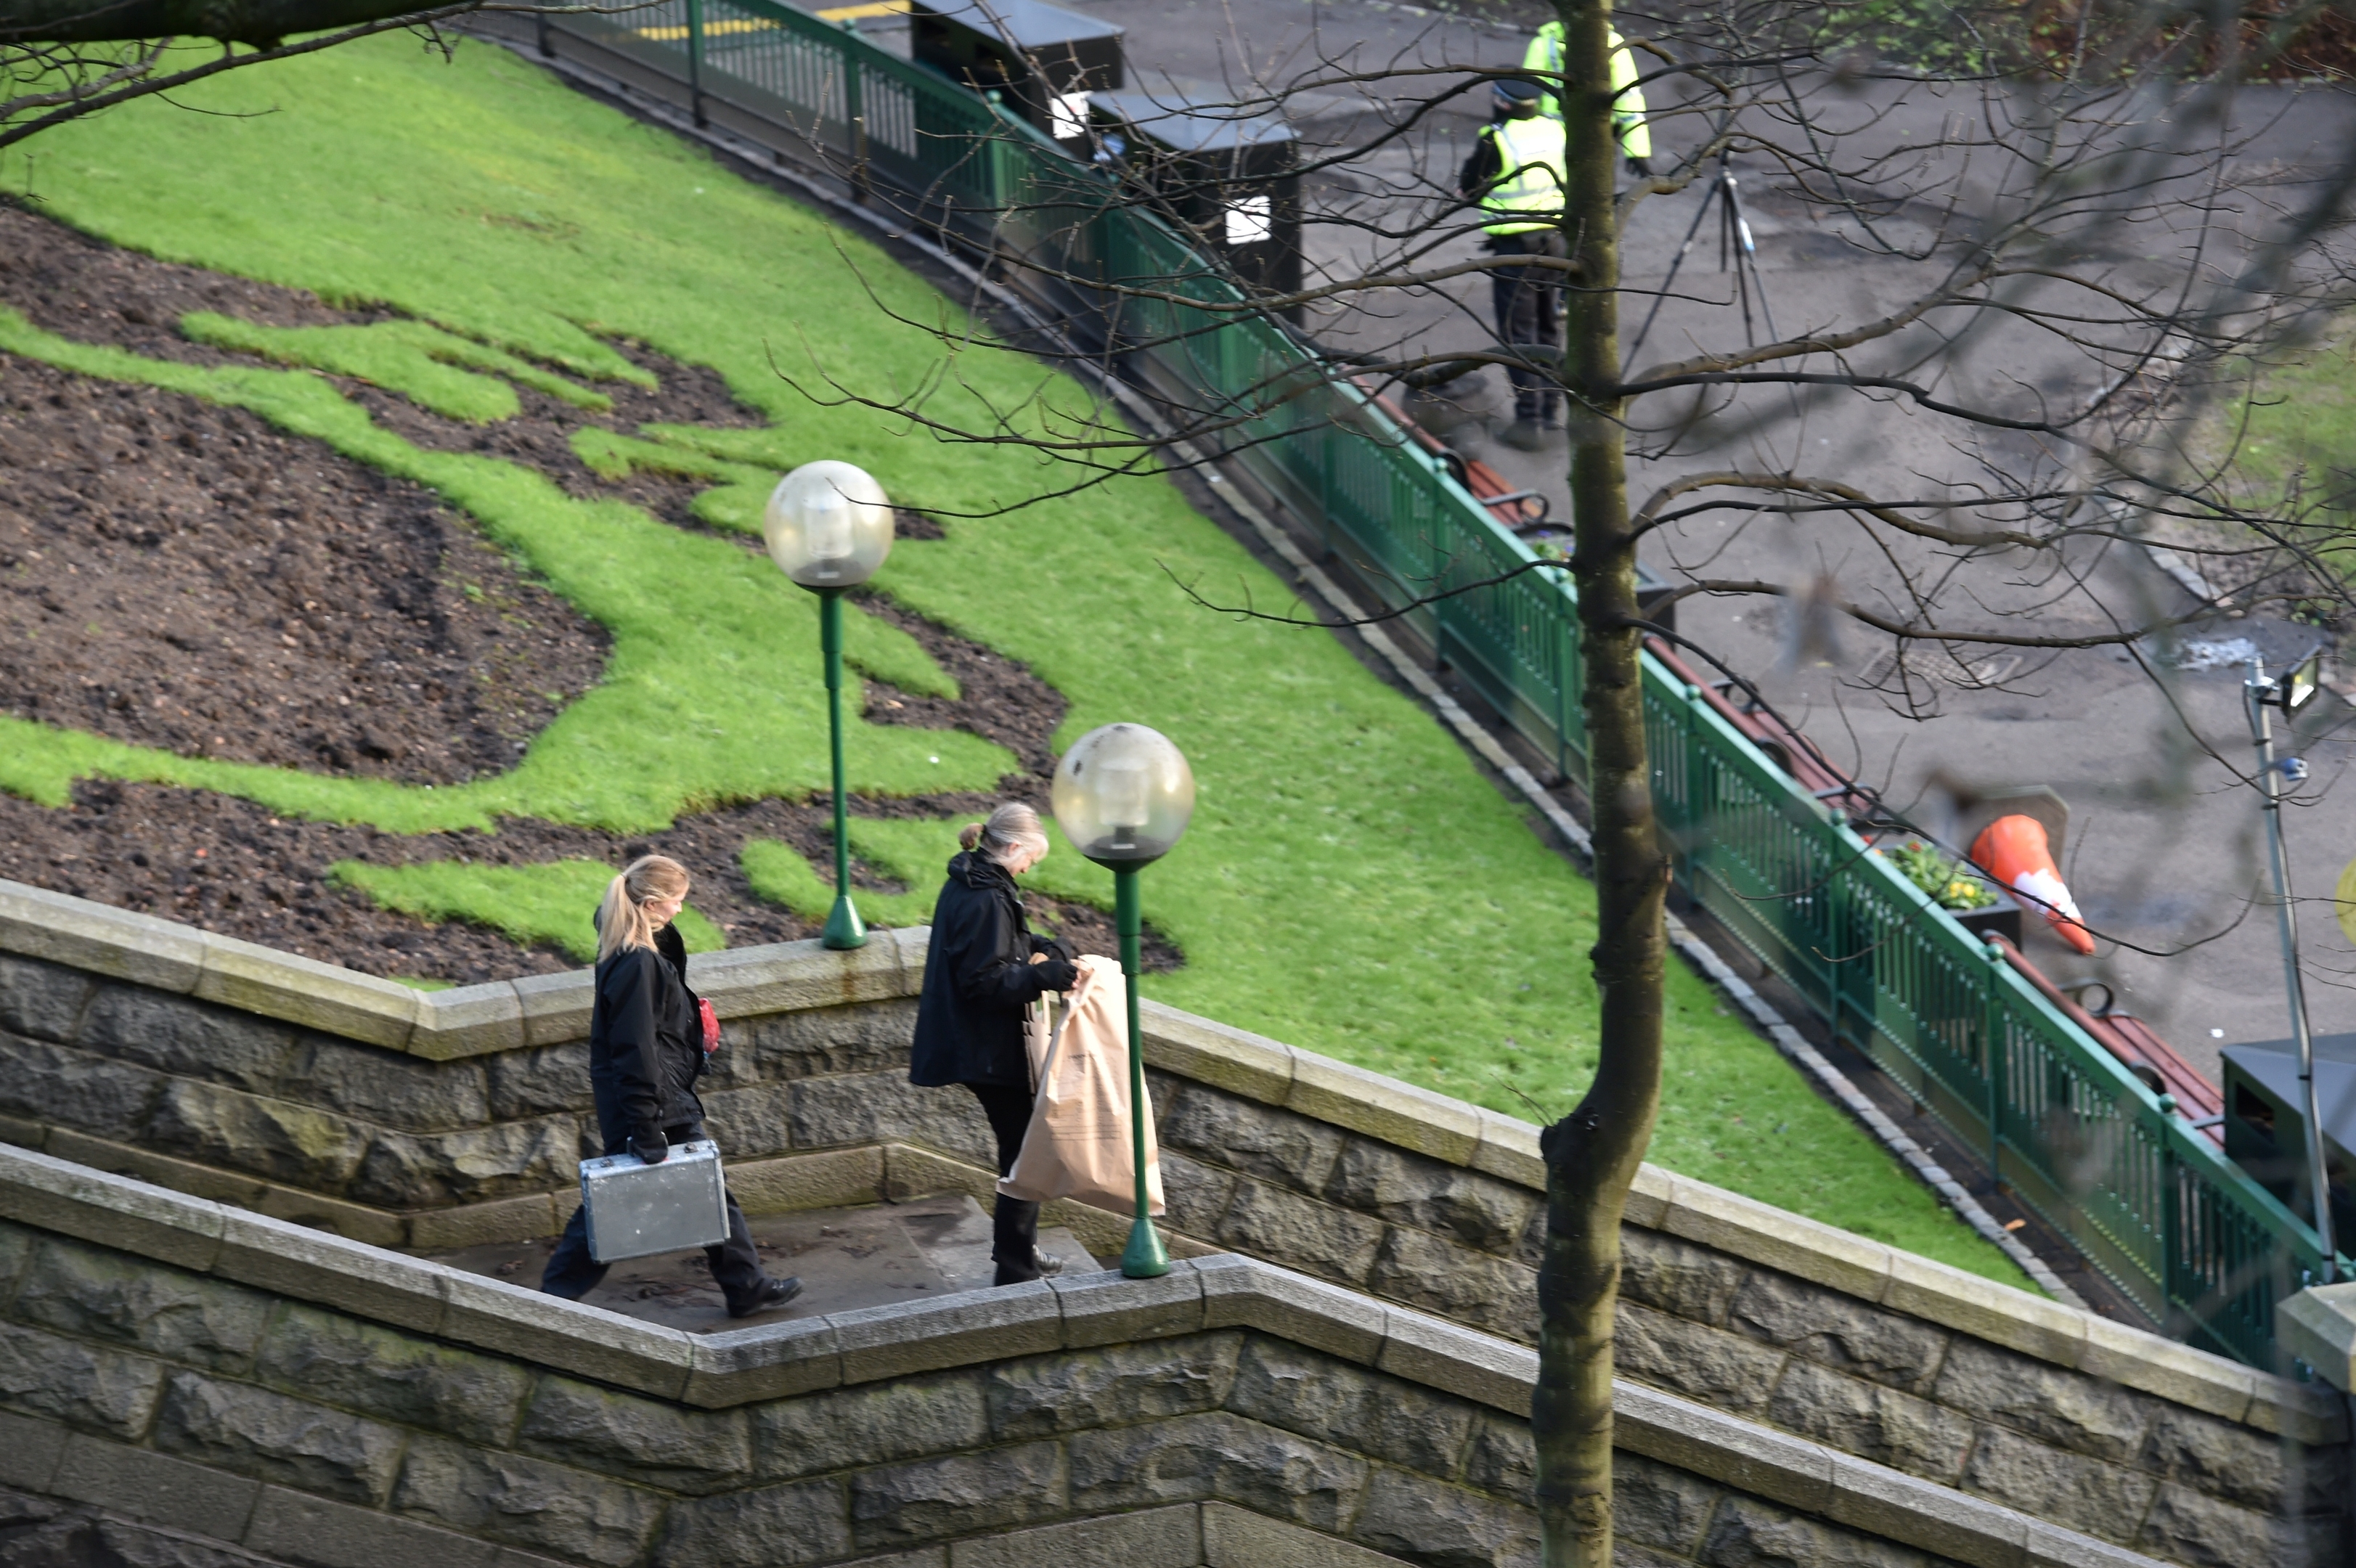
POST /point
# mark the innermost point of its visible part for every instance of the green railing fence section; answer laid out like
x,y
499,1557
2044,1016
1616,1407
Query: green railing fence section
x,y
2151,1203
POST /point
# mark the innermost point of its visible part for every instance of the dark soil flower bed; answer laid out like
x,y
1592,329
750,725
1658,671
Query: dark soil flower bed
x,y
180,575
183,576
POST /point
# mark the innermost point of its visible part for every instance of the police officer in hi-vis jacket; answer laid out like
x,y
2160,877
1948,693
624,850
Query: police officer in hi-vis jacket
x,y
1516,174
1544,58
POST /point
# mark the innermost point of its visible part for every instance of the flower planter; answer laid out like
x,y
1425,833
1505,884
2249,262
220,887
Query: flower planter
x,y
2001,918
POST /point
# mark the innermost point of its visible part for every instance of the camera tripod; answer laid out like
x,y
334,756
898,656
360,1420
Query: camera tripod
x,y
1723,196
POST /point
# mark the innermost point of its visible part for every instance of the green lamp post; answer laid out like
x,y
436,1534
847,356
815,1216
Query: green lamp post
x,y
829,526
1123,794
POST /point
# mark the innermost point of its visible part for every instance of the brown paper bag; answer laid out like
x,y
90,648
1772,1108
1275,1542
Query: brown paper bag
x,y
1039,1023
1078,1145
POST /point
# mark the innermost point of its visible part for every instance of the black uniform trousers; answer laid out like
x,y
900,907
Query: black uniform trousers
x,y
572,1274
1526,300
1014,1222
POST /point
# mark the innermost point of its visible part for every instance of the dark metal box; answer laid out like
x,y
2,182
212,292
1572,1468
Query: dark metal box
x,y
2265,1123
1042,59
637,1209
1229,178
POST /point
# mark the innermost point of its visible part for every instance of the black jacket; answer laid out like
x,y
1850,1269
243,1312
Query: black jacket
x,y
978,979
1481,170
646,1042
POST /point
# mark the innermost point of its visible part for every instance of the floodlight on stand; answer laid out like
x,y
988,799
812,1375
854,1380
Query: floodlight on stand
x,y
2289,692
1123,793
2297,686
829,527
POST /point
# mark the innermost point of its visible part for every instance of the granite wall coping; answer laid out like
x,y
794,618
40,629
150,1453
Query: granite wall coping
x,y
441,1025
791,976
2318,1325
874,1344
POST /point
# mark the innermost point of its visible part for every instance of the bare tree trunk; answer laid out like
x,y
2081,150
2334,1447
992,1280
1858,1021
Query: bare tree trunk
x,y
1592,1154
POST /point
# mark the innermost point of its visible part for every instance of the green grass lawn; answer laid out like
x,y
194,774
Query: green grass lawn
x,y
1351,883
2286,437
529,903
2298,416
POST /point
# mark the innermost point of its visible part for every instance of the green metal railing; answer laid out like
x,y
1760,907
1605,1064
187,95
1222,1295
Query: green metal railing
x,y
2152,1204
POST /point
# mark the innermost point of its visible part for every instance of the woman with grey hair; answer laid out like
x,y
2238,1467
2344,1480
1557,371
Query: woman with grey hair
x,y
979,978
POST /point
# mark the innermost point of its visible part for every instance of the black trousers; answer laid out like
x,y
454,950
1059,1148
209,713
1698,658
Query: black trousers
x,y
572,1274
1014,1222
1525,299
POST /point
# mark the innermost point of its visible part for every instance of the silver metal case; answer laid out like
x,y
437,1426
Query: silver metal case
x,y
637,1209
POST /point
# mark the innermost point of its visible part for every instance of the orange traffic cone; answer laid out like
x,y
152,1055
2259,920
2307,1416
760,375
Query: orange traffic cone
x,y
2013,850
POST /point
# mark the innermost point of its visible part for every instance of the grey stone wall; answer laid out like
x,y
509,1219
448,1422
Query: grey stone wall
x,y
356,1137
168,1417
2110,1433
1889,1386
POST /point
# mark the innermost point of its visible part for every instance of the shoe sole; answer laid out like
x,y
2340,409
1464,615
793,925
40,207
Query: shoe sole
x,y
788,1299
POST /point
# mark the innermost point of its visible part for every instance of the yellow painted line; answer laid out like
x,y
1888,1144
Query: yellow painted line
x,y
710,30
861,13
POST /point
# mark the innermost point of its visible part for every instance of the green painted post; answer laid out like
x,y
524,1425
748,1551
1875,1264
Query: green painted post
x,y
695,58
1827,912
1992,1025
1145,1257
843,927
855,111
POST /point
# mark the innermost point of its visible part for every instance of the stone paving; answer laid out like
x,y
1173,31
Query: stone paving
x,y
872,1255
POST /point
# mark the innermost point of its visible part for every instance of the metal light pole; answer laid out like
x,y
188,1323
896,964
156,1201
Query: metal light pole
x,y
1123,793
829,526
2290,692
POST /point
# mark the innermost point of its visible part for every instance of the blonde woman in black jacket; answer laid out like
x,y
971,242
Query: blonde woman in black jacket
x,y
646,1052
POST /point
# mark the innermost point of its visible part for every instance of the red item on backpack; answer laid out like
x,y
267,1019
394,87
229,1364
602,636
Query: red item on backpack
x,y
711,1026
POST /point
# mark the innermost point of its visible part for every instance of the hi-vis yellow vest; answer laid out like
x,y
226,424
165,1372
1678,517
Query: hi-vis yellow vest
x,y
1529,155
1545,57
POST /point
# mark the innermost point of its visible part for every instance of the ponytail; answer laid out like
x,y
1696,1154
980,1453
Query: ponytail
x,y
622,919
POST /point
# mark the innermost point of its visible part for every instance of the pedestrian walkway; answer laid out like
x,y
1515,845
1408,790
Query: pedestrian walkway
x,y
872,1255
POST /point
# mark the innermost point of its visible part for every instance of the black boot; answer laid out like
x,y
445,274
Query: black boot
x,y
1014,1240
770,1295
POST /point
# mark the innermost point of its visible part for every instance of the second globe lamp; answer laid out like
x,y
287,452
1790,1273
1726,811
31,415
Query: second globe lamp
x,y
1123,794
